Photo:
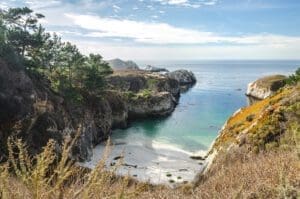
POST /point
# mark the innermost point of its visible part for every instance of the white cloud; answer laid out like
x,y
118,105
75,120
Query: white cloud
x,y
116,8
109,51
188,3
173,2
3,5
37,4
162,33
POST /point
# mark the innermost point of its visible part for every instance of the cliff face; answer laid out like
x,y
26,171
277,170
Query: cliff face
x,y
184,77
264,125
32,111
266,86
145,93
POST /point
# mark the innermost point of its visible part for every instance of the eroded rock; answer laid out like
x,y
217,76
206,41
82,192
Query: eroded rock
x,y
266,86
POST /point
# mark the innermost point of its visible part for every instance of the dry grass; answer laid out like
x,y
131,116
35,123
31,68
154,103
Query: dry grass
x,y
47,176
270,80
238,174
235,173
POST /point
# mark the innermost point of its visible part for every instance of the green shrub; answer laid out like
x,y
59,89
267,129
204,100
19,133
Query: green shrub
x,y
250,118
294,78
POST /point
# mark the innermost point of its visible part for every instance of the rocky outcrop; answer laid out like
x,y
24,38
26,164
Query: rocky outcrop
x,y
261,126
145,93
184,77
266,86
155,69
118,64
158,104
32,111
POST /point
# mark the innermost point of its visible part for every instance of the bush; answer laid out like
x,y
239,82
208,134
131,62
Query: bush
x,y
250,118
294,78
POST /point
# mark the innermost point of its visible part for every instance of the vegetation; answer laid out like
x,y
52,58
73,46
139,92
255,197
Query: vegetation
x,y
48,176
23,41
294,78
272,171
234,174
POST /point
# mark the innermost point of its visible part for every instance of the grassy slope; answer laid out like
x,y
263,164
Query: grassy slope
x,y
239,171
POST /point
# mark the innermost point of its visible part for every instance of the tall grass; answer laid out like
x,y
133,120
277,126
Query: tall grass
x,y
234,174
47,175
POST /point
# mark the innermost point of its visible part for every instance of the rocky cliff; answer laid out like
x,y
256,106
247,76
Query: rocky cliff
x,y
266,125
145,93
266,86
32,111
184,77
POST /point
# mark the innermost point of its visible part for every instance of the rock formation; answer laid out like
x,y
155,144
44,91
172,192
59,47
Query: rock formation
x,y
266,86
31,110
184,77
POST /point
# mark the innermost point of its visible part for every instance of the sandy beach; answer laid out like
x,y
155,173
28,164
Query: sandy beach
x,y
150,161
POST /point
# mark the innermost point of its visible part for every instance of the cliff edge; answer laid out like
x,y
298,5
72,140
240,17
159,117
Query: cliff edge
x,y
266,86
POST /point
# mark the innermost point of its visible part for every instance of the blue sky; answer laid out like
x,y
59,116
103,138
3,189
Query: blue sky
x,y
175,29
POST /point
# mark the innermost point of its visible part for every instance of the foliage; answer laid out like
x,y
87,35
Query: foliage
x,y
48,176
294,78
23,41
234,173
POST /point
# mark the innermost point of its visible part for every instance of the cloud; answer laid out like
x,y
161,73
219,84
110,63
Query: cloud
x,y
3,5
109,51
116,8
163,33
36,4
188,3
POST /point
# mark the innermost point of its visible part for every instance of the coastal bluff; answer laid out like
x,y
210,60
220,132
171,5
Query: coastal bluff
x,y
265,86
33,111
266,125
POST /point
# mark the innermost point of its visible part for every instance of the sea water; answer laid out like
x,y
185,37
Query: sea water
x,y
157,147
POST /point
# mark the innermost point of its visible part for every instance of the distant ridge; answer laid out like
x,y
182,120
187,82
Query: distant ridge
x,y
118,64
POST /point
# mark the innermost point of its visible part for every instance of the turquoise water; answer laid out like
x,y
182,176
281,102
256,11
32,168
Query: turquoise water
x,y
219,92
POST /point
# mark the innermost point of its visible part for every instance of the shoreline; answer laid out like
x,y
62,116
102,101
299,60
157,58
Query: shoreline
x,y
151,162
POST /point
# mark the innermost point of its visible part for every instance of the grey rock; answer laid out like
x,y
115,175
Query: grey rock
x,y
184,77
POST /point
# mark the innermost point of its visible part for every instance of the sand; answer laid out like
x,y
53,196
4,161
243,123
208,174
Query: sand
x,y
150,161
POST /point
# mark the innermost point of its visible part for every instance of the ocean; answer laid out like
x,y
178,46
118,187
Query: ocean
x,y
156,148
201,112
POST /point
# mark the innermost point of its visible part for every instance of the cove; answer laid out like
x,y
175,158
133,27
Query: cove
x,y
159,149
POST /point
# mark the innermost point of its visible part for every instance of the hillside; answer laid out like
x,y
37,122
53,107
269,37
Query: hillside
x,y
255,156
56,104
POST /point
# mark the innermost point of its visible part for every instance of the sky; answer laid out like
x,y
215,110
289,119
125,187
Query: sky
x,y
175,29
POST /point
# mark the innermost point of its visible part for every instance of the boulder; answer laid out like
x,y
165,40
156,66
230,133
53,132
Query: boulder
x,y
184,77
266,86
